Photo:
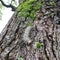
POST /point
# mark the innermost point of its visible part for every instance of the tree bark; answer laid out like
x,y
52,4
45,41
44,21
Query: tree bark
x,y
17,40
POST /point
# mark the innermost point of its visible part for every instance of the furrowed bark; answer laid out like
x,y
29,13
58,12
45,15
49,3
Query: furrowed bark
x,y
13,42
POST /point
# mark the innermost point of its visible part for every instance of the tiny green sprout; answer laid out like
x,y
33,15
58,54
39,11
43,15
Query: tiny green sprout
x,y
38,44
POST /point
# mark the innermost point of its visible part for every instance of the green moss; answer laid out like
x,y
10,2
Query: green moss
x,y
28,8
38,45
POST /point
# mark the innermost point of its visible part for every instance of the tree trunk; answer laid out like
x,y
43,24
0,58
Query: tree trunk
x,y
18,40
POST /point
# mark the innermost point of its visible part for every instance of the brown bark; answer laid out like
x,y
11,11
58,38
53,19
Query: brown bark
x,y
12,44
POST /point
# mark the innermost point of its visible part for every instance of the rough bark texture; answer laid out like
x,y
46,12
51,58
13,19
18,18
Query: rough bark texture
x,y
13,42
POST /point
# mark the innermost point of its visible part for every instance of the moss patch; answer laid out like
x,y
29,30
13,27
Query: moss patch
x,y
28,8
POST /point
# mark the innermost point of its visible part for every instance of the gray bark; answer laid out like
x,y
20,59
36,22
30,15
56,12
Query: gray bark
x,y
18,39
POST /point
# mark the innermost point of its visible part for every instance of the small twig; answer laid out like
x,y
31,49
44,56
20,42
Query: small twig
x,y
8,6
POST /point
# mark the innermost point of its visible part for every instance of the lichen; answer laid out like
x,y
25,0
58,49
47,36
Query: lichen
x,y
29,24
26,37
52,2
28,8
20,58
